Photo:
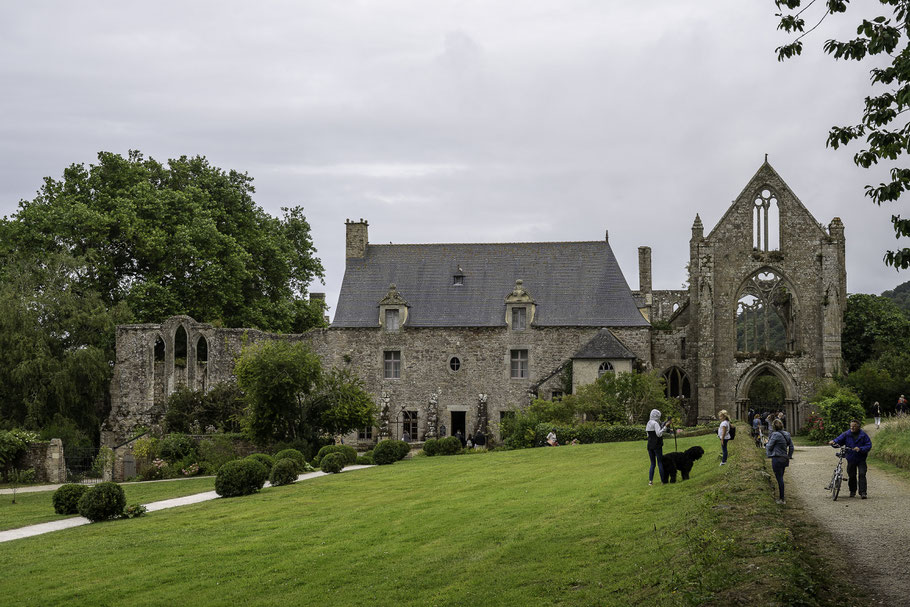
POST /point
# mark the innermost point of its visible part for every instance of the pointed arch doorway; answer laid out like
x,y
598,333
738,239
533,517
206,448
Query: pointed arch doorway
x,y
767,385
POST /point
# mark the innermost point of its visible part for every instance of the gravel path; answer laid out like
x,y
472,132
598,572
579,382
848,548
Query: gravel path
x,y
874,533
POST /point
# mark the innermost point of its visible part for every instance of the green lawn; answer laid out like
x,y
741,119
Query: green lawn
x,y
567,526
32,508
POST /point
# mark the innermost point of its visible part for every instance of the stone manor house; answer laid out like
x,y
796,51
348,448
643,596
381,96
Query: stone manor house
x,y
451,337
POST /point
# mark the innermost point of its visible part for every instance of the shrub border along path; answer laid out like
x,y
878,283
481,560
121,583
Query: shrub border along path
x,y
68,523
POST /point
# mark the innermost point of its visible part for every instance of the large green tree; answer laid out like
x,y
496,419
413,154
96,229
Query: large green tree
x,y
291,398
56,344
882,39
873,325
178,238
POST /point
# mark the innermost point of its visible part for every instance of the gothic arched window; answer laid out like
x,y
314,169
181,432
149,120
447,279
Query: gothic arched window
x,y
765,313
605,367
766,221
677,383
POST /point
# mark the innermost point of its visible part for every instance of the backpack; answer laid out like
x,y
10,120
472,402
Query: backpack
x,y
732,432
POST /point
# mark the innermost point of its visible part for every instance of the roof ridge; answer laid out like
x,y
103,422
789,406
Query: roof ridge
x,y
446,244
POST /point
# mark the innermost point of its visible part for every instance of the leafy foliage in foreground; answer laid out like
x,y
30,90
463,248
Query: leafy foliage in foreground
x,y
881,40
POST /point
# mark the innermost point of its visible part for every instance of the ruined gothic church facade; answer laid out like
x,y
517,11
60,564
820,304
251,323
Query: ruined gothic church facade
x,y
451,337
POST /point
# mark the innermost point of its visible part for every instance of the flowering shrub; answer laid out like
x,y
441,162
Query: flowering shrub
x,y
191,470
815,426
134,511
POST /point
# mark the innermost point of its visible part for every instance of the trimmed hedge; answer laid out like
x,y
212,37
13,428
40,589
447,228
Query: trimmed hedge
x,y
364,460
240,477
450,445
102,502
431,447
66,498
284,472
589,433
266,460
403,448
386,452
295,455
349,453
333,463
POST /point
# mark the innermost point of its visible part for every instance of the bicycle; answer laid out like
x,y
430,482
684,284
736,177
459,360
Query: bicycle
x,y
838,476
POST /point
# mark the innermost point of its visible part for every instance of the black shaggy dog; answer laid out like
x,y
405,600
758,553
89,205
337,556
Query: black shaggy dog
x,y
681,461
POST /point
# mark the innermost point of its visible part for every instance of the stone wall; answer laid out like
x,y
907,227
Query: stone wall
x,y
47,460
140,386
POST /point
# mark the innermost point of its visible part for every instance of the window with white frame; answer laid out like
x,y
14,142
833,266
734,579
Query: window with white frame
x,y
519,319
605,367
391,320
519,367
392,364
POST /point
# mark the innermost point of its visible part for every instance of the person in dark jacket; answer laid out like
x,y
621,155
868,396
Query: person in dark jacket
x,y
480,440
656,445
780,450
859,445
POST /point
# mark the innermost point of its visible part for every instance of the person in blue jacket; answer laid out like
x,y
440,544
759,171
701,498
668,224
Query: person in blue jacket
x,y
859,445
780,450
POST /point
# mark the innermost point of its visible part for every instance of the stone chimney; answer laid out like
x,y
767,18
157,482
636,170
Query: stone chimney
x,y
644,270
698,229
357,239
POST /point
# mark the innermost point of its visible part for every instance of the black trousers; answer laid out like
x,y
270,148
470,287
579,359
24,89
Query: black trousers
x,y
854,471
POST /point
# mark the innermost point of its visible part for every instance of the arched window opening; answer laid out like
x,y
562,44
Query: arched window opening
x,y
766,393
202,350
677,383
605,367
180,347
765,315
159,349
766,222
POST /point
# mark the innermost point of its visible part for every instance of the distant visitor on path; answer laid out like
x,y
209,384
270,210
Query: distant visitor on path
x,y
655,432
780,450
723,433
859,445
461,438
551,439
901,407
877,412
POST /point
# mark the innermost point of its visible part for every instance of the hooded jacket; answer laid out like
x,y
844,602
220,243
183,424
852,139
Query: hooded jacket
x,y
655,430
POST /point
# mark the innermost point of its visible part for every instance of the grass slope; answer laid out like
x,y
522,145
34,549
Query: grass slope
x,y
566,526
33,508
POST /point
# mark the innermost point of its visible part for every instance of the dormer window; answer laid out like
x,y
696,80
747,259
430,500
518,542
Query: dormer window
x,y
391,320
458,280
393,310
519,319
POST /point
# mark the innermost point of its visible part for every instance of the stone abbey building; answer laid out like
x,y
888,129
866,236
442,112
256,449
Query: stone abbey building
x,y
452,337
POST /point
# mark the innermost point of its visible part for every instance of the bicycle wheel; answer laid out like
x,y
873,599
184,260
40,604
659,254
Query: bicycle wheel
x,y
836,488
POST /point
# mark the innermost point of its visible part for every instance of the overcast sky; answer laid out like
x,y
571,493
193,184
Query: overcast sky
x,y
457,121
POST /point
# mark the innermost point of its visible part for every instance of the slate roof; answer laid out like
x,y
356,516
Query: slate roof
x,y
603,345
572,283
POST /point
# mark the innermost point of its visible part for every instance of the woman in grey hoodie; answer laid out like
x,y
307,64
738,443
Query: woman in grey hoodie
x,y
780,450
655,432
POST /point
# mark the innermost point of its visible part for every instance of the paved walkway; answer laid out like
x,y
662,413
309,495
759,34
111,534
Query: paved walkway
x,y
77,521
874,534
38,488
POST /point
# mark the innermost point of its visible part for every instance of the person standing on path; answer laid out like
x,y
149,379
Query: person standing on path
x,y
858,444
877,412
901,405
655,432
780,450
723,433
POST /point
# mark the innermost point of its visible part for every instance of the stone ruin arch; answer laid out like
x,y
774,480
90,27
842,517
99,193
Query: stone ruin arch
x,y
786,379
775,303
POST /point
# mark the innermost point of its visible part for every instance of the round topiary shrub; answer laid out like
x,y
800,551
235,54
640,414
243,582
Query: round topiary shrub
x,y
66,498
292,454
385,452
102,502
266,460
240,477
431,447
349,453
333,463
364,460
284,472
403,448
450,445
